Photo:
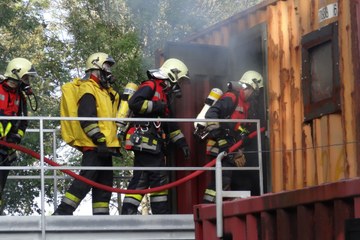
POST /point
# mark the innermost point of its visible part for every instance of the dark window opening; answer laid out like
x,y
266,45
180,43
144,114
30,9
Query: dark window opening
x,y
320,72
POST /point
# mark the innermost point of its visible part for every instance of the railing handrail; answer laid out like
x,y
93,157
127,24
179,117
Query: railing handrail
x,y
44,168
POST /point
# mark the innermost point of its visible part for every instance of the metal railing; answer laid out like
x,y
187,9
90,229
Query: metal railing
x,y
41,130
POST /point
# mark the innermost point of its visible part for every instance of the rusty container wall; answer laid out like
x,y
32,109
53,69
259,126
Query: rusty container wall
x,y
313,213
321,150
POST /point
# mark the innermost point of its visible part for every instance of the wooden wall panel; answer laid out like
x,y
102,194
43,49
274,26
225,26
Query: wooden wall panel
x,y
348,103
304,16
275,123
310,164
287,120
314,23
295,73
321,149
337,149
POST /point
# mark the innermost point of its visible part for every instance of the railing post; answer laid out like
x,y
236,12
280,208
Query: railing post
x,y
219,197
55,175
42,171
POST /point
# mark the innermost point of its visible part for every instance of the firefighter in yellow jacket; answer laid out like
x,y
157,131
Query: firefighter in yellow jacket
x,y
96,139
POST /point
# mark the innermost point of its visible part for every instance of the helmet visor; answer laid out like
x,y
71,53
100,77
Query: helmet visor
x,y
245,86
27,79
106,67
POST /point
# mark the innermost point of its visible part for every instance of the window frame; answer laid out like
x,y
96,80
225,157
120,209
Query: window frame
x,y
331,104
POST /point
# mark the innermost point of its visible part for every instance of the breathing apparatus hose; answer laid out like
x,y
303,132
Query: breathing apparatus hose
x,y
119,190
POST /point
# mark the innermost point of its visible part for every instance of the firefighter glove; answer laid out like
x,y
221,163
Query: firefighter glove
x,y
102,148
159,108
98,138
15,137
239,158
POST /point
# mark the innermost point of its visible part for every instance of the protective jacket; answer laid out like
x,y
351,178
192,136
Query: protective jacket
x,y
231,105
12,103
151,101
97,102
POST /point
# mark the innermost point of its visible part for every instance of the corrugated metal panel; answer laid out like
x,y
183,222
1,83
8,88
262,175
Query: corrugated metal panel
x,y
311,213
98,227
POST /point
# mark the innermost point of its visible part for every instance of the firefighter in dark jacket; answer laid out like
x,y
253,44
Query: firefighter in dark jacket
x,y
221,136
249,179
13,85
96,139
148,139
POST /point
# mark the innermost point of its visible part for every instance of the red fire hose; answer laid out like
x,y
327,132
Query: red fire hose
x,y
119,190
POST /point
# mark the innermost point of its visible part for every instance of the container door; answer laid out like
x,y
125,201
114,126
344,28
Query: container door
x,y
208,68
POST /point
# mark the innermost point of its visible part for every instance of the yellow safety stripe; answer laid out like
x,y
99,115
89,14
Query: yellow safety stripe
x,y
210,192
100,205
162,193
242,129
141,146
213,123
222,142
146,140
72,197
90,127
144,107
8,128
1,130
135,196
174,133
21,132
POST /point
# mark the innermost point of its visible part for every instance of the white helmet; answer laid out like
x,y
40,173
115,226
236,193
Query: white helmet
x,y
103,62
172,69
96,61
252,78
18,68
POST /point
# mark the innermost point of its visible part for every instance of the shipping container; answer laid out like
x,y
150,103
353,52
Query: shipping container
x,y
308,54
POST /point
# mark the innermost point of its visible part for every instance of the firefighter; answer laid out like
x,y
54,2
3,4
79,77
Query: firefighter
x,y
221,136
249,179
95,139
14,86
149,139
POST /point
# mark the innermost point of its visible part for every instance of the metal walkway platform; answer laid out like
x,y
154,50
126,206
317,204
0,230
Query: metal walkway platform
x,y
98,227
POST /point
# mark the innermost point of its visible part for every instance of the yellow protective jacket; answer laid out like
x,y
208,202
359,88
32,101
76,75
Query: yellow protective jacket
x,y
72,133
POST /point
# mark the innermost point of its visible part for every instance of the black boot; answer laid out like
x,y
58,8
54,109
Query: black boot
x,y
129,209
64,209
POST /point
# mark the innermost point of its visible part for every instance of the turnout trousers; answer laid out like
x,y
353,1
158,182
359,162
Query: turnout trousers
x,y
147,179
79,189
